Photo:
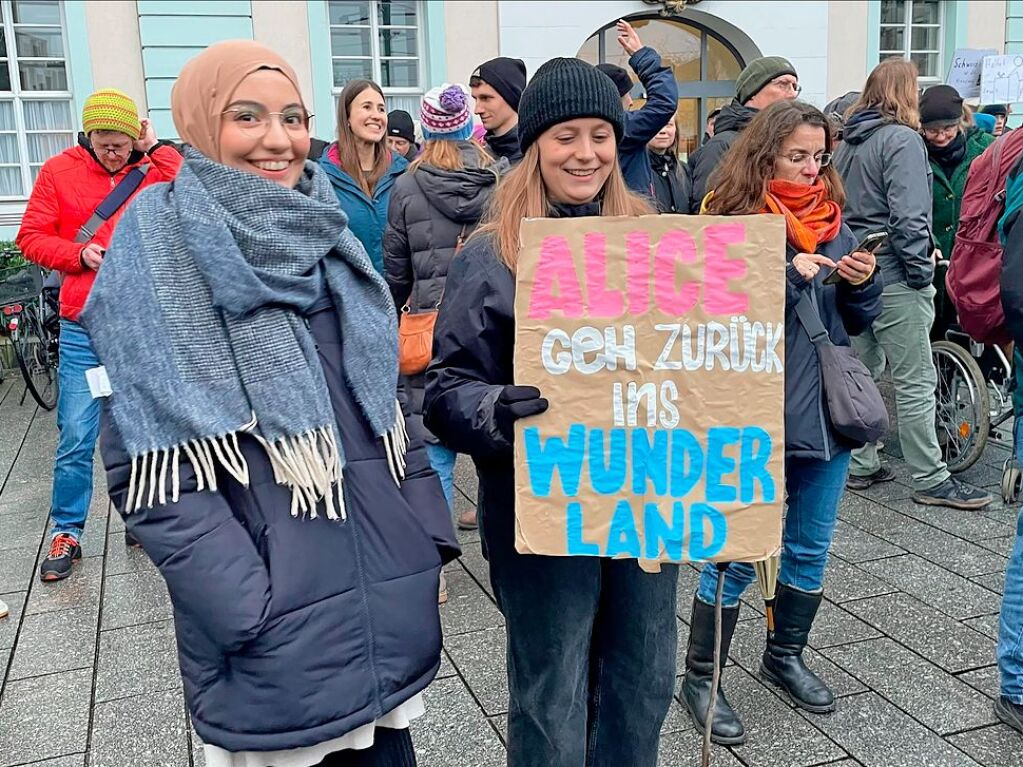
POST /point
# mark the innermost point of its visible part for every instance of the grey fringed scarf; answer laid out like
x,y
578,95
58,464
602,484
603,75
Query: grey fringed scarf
x,y
197,315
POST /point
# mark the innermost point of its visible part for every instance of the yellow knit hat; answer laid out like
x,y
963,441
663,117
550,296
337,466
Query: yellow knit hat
x,y
110,109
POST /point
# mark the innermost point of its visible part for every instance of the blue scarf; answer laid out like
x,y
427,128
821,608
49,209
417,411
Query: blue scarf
x,y
198,316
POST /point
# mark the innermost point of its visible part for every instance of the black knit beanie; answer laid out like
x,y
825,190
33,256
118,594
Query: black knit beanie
x,y
506,76
618,76
995,109
399,123
940,104
565,89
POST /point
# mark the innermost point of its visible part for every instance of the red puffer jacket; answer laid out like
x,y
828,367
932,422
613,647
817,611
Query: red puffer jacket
x,y
70,187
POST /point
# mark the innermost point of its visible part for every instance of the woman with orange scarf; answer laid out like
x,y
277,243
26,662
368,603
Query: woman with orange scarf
x,y
780,165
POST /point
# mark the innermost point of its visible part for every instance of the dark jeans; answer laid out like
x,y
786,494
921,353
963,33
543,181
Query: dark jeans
x,y
391,748
591,652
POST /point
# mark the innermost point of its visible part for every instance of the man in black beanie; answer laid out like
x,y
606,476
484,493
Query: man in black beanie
x,y
1001,114
643,124
497,87
401,134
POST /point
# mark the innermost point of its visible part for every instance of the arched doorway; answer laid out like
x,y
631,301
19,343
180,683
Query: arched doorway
x,y
705,64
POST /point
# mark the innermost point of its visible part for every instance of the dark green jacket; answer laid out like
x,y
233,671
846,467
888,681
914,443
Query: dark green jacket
x,y
948,192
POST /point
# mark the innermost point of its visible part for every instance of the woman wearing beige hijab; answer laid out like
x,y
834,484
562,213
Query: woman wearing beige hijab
x,y
253,443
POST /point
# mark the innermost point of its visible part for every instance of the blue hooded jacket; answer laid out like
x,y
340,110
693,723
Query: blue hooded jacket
x,y
641,125
367,217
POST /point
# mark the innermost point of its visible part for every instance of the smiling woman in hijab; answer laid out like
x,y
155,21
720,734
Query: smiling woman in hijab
x,y
264,465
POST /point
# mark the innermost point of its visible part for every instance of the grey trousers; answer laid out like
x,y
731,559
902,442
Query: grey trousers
x,y
901,336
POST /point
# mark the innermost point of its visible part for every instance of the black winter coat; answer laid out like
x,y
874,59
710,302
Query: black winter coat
x,y
731,121
472,363
672,185
845,311
429,210
505,146
295,631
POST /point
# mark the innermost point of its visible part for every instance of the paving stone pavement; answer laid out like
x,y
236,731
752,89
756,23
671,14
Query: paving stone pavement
x,y
89,670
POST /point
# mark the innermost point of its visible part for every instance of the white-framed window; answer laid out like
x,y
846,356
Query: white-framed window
x,y
912,30
382,41
35,93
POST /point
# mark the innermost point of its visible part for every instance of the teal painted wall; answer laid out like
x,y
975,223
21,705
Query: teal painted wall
x,y
79,59
172,32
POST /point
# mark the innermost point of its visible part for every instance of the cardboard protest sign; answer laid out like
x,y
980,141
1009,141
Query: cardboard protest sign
x,y
965,70
659,342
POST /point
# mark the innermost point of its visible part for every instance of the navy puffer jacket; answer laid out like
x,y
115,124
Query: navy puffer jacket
x,y
295,631
845,310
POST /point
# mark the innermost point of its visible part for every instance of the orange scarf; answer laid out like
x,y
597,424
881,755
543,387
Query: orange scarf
x,y
811,217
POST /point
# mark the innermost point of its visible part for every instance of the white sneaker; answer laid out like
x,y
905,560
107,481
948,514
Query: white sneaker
x,y
3,609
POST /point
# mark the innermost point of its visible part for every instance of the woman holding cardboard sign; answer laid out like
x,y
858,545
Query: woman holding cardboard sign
x,y
591,641
781,165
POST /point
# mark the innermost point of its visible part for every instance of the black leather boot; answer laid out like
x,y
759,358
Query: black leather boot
x,y
782,664
727,728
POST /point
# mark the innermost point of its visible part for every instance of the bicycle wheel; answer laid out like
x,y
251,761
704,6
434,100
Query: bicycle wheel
x,y
35,347
962,415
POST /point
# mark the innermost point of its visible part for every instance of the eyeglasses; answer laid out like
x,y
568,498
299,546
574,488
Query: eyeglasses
x,y
256,122
789,85
943,130
112,149
821,159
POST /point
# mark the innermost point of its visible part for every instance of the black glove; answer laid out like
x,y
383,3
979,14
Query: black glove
x,y
514,403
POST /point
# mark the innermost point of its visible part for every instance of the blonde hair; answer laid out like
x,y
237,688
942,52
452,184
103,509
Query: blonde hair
x,y
892,90
447,155
522,194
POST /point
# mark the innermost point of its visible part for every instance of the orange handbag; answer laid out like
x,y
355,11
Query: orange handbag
x,y
415,332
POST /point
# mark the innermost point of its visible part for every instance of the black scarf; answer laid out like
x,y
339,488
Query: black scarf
x,y
949,156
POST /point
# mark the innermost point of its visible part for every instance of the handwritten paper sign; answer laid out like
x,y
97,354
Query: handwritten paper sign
x,y
965,70
659,342
1001,81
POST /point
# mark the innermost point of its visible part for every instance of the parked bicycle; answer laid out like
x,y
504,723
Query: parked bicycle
x,y
30,318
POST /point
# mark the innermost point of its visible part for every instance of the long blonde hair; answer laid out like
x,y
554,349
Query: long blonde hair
x,y
522,194
447,155
891,89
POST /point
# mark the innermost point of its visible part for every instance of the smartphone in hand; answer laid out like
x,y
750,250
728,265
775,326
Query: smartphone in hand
x,y
869,244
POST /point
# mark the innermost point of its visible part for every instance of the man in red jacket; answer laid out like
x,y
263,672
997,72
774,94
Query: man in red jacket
x,y
69,189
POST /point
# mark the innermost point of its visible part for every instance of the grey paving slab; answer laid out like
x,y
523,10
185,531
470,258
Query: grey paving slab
x,y
844,581
877,734
137,660
865,513
966,524
56,641
834,625
855,545
926,692
479,658
123,559
943,590
935,636
998,746
984,679
985,624
947,550
1001,545
30,710
5,659
446,669
468,607
885,492
991,581
16,568
454,732
25,496
465,477
123,738
748,648
81,589
682,749
472,560
19,531
777,736
71,760
9,625
135,598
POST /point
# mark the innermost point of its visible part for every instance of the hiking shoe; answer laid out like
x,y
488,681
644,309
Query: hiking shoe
x,y
64,550
130,540
953,494
884,474
1010,713
467,520
4,611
